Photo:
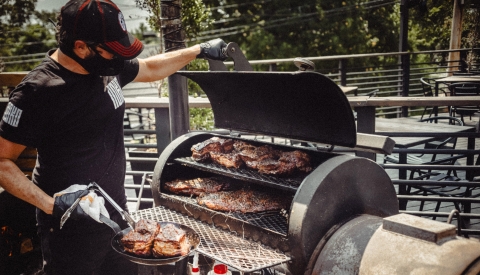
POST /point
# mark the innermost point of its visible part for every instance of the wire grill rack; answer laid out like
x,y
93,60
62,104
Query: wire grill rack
x,y
235,251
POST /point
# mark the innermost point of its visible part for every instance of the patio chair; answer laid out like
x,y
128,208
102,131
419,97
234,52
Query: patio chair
x,y
428,87
441,143
464,89
448,191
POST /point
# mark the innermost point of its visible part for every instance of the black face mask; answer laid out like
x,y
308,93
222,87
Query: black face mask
x,y
96,64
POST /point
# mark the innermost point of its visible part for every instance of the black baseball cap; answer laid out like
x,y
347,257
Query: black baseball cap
x,y
100,21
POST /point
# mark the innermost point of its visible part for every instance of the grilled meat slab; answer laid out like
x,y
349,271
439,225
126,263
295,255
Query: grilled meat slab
x,y
252,157
140,240
299,158
228,160
201,151
197,186
171,241
244,200
265,159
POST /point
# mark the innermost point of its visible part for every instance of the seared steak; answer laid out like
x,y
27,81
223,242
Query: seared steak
x,y
197,186
140,240
228,160
252,157
299,158
201,151
265,159
245,201
171,241
276,167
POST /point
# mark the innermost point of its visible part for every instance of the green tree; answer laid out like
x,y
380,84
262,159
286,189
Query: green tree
x,y
24,31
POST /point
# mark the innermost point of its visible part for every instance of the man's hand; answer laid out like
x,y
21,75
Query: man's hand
x,y
63,202
213,49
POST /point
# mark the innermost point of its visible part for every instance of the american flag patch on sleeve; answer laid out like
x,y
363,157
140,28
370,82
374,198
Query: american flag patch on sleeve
x,y
12,115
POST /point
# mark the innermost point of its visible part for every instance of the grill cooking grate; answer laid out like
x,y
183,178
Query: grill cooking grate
x,y
226,247
288,184
275,221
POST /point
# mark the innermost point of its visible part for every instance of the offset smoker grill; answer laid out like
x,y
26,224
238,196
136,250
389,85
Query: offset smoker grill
x,y
336,209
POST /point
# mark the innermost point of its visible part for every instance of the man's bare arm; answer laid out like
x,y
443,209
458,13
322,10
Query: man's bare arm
x,y
13,180
160,66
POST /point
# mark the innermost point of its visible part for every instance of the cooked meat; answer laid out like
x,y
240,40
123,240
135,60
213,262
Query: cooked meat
x,y
228,160
197,186
265,158
140,240
252,157
239,145
171,241
299,158
245,201
201,151
276,167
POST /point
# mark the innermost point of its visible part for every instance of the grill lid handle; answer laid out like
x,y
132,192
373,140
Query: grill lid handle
x,y
240,62
304,64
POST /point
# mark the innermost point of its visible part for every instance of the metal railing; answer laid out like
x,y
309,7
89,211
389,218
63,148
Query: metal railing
x,y
382,72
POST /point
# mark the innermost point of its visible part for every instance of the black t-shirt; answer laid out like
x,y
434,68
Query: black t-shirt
x,y
76,123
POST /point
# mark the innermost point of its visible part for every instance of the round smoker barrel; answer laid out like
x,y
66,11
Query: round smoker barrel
x,y
400,244
338,190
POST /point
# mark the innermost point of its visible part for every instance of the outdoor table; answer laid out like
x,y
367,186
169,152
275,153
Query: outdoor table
x,y
405,125
455,79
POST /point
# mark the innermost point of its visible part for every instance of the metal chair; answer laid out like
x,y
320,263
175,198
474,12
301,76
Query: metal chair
x,y
464,89
428,86
441,143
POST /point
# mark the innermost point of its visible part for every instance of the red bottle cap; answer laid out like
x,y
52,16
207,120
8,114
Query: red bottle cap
x,y
220,269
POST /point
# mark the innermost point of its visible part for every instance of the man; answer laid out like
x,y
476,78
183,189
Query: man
x,y
71,109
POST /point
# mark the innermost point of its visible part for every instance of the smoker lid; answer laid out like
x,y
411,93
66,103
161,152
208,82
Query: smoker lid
x,y
305,106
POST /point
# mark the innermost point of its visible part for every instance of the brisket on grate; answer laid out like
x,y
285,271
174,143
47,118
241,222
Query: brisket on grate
x,y
265,159
198,186
244,200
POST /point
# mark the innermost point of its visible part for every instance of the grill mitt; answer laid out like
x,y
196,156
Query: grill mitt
x,y
91,205
214,49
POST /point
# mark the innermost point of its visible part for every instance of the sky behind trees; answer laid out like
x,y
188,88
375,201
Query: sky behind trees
x,y
133,15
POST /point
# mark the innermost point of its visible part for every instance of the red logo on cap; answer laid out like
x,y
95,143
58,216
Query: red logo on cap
x,y
121,20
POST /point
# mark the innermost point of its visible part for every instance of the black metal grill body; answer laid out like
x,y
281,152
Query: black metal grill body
x,y
304,106
339,186
301,106
338,210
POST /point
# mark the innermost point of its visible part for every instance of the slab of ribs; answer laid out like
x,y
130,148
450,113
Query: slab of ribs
x,y
225,194
243,200
264,159
150,238
198,186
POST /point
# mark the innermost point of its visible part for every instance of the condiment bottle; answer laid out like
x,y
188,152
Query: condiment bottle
x,y
195,270
220,269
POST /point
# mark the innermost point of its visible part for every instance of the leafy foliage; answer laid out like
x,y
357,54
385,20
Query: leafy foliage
x,y
195,16
24,31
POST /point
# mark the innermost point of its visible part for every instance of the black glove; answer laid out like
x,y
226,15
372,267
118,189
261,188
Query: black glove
x,y
63,202
213,49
